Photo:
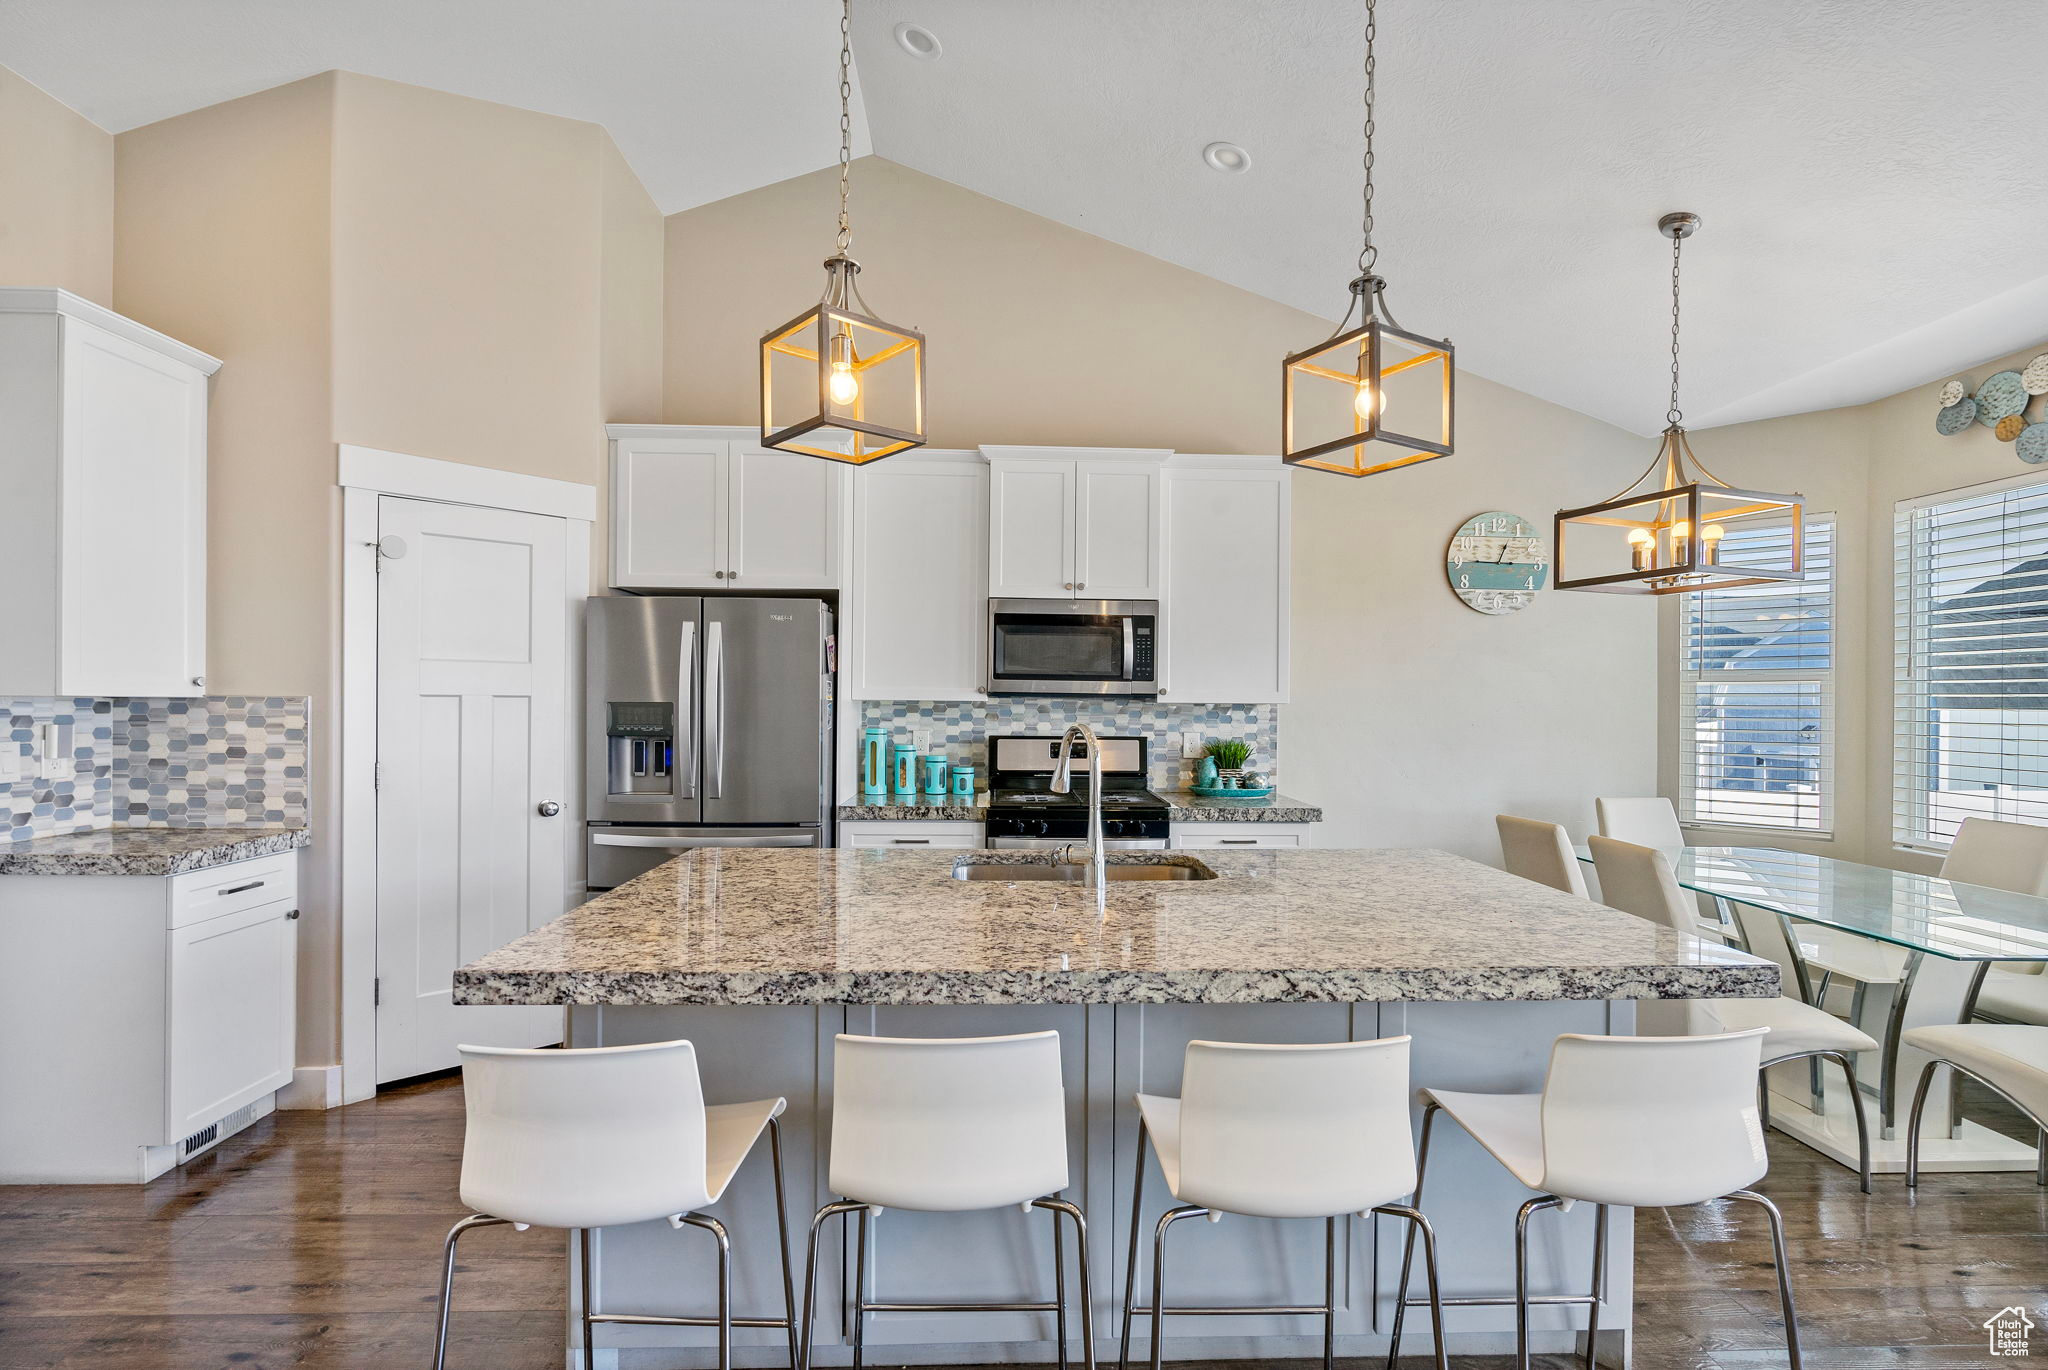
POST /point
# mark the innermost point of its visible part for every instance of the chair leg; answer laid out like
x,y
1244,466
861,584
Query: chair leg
x,y
1848,1065
1059,1287
1763,1100
782,1238
1123,1350
1329,1294
1522,1216
1913,1125
585,1258
811,1278
1061,1206
2041,1157
448,1280
717,1229
1599,1282
1429,1113
1784,1271
1166,1220
860,1287
1436,1304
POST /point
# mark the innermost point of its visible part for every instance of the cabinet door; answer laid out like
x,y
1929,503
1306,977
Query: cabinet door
x,y
783,520
133,600
232,1013
669,514
1031,530
1116,530
921,601
1225,638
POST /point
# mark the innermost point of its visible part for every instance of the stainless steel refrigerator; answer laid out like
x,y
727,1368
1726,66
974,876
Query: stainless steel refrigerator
x,y
709,725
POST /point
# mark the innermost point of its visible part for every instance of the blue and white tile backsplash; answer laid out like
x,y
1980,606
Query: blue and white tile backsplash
x,y
218,761
962,729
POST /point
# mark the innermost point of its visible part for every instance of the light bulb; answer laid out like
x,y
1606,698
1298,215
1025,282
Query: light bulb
x,y
1642,548
843,384
1362,403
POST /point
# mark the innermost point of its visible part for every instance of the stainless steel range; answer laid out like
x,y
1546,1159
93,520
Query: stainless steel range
x,y
1024,812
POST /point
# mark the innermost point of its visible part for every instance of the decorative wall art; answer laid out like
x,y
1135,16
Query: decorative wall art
x,y
2000,404
1497,562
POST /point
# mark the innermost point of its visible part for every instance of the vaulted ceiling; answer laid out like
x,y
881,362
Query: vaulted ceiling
x,y
1871,172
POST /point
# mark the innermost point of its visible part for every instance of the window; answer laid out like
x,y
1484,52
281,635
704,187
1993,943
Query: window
x,y
1756,733
1970,715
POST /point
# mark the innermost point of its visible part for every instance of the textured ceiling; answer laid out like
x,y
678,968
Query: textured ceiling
x,y
1873,174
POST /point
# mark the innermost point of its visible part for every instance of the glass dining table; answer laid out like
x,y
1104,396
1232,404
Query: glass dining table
x,y
1910,949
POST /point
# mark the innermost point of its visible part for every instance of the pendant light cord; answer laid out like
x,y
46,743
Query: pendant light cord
x,y
1368,255
845,123
1674,413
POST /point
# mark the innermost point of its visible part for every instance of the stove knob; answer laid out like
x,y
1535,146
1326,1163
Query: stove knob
x,y
1044,827
1113,828
1013,825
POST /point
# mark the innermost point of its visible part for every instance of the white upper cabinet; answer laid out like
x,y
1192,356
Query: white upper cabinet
x,y
1224,639
103,457
711,509
1074,523
919,607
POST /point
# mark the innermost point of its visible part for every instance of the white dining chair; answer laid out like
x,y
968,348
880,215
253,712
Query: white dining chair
x,y
1539,851
1646,822
601,1137
1315,1131
1639,880
1644,1122
2010,1059
2005,856
948,1125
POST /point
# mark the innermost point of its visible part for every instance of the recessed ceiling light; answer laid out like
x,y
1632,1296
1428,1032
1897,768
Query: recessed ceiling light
x,y
919,41
1227,157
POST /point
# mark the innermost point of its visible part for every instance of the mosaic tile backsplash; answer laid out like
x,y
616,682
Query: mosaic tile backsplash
x,y
962,729
220,761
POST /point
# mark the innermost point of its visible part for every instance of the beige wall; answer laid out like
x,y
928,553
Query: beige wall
x,y
56,194
1414,719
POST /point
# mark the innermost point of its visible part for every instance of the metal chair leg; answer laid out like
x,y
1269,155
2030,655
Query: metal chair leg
x,y
1436,1303
811,1277
1848,1065
1522,1216
588,1261
1784,1271
1913,1125
717,1229
860,1287
1059,1287
2041,1157
1166,1220
1429,1113
1329,1294
474,1220
782,1238
1599,1282
1061,1206
1123,1350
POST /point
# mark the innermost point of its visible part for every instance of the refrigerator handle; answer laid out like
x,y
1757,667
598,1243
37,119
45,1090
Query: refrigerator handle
x,y
714,710
686,674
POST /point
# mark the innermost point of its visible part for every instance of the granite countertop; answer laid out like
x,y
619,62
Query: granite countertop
x,y
848,925
916,809
146,851
1189,807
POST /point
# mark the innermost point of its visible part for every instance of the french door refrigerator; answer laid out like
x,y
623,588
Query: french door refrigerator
x,y
709,725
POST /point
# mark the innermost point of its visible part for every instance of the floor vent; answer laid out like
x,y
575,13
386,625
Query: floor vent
x,y
205,1136
220,1131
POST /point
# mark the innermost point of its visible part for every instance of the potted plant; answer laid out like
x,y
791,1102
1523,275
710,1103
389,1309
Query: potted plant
x,y
1230,755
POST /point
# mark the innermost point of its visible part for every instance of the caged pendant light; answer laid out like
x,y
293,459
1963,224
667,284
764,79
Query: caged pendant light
x,y
1376,397
837,382
1642,540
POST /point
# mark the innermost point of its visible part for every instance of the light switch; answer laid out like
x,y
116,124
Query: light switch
x,y
1191,746
10,759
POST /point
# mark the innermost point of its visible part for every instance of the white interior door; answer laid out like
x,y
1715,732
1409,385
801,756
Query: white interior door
x,y
472,721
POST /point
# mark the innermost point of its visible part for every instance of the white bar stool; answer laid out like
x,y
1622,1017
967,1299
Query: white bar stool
x,y
2010,1059
949,1125
1539,851
1645,822
1649,1122
1317,1131
601,1137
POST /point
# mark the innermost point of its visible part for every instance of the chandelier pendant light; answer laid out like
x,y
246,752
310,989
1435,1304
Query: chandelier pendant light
x,y
1374,397
1642,541
836,381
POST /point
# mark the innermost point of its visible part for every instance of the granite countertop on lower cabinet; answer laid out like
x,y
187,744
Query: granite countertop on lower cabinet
x,y
865,926
1189,807
916,809
146,851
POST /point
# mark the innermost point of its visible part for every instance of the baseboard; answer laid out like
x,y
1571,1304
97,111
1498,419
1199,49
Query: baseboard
x,y
312,1087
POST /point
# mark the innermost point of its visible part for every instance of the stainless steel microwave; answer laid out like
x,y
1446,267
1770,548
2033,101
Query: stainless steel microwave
x,y
1073,647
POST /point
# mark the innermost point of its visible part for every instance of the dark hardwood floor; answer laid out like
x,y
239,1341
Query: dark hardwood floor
x,y
313,1239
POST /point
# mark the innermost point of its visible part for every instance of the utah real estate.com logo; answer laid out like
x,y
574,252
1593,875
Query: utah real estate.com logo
x,y
2008,1331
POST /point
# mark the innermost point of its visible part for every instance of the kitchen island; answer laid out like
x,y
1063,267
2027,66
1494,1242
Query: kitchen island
x,y
761,955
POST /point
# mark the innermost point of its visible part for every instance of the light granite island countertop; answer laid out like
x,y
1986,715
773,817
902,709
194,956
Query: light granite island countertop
x,y
760,956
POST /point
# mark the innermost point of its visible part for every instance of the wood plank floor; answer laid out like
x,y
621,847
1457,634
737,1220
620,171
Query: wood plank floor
x,y
313,1239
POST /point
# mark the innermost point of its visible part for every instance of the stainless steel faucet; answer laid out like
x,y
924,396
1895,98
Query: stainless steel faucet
x,y
1063,782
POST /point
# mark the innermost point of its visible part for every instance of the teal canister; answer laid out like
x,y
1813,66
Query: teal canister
x,y
874,762
903,772
963,781
935,775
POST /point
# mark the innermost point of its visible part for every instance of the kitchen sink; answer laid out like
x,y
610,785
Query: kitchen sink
x,y
1115,872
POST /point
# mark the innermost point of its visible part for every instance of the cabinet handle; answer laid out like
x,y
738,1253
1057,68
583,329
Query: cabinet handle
x,y
293,915
199,680
911,841
1239,841
241,889
1081,585
719,574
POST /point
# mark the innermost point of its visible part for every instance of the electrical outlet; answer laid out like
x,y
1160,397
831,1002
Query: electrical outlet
x,y
1191,746
921,740
54,744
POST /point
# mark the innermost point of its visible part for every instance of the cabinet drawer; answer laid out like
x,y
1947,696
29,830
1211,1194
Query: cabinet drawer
x,y
1246,835
232,1012
955,836
240,885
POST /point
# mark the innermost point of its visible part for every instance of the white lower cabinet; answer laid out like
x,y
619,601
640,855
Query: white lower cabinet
x,y
914,835
159,1006
1200,836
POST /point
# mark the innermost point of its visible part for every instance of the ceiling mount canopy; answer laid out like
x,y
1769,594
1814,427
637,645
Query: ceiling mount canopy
x,y
836,381
1678,527
1374,397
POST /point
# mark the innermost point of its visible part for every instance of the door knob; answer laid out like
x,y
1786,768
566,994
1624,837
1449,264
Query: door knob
x,y
549,808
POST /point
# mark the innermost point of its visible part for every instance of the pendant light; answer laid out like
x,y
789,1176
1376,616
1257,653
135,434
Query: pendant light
x,y
1376,397
837,382
1642,540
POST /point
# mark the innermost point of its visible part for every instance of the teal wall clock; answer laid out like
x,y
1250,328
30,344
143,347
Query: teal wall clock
x,y
1497,562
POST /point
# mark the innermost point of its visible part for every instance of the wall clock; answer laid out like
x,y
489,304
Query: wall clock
x,y
1497,562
